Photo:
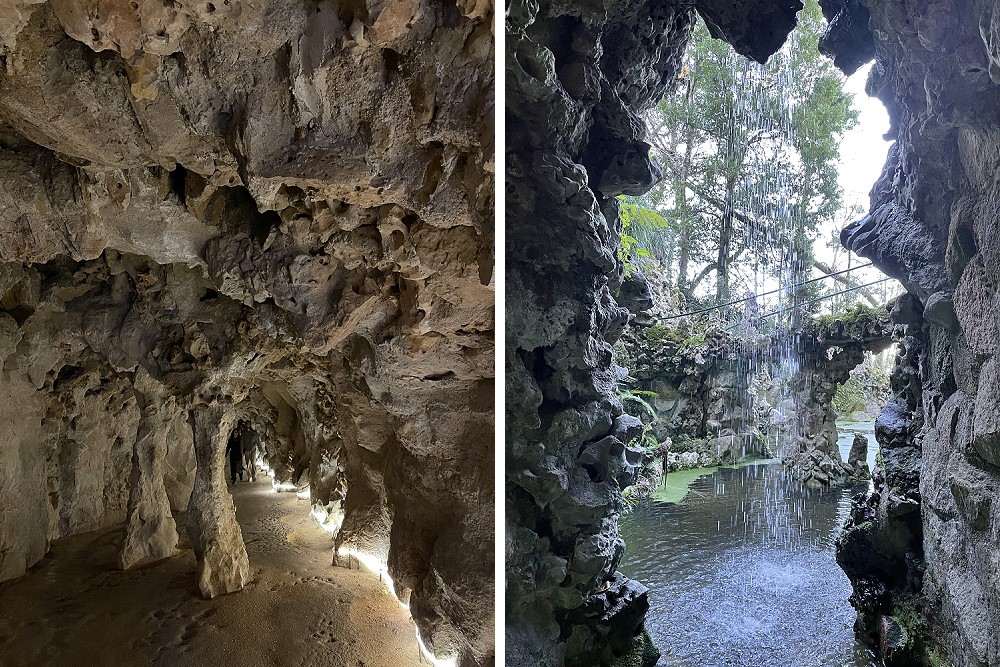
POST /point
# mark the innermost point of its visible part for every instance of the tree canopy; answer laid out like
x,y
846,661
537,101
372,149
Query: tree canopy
x,y
750,158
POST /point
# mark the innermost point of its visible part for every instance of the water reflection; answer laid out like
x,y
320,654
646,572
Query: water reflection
x,y
743,573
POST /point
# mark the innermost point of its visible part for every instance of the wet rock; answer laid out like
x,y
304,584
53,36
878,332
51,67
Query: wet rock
x,y
858,456
578,78
828,351
636,293
642,654
698,392
940,309
847,39
755,29
932,225
986,415
894,637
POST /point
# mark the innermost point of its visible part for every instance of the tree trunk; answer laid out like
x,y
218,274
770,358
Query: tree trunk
x,y
722,292
680,197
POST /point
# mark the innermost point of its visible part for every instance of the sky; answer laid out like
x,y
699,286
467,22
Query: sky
x,y
863,150
862,155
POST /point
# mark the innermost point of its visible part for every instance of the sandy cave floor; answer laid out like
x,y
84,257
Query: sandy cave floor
x,y
76,608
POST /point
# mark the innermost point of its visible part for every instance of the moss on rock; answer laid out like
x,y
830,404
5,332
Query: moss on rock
x,y
642,653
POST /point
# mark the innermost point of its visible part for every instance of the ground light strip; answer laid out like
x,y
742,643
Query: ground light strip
x,y
371,562
374,564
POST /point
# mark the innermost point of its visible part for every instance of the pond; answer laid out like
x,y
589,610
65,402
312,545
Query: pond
x,y
742,572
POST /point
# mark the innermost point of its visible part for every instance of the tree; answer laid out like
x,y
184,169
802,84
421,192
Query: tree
x,y
750,157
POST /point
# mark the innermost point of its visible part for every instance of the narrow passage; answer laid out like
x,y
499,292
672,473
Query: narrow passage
x,y
76,608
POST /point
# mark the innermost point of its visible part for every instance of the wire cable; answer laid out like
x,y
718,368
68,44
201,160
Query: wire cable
x,y
806,303
782,289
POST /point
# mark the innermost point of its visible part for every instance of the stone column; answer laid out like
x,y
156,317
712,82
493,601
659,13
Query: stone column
x,y
223,566
150,530
811,451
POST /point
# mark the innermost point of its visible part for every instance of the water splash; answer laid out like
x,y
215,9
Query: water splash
x,y
743,572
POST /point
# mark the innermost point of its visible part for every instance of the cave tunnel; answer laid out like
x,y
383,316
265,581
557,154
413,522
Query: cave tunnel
x,y
275,218
919,543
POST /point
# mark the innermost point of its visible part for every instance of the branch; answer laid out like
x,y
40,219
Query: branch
x,y
702,275
845,280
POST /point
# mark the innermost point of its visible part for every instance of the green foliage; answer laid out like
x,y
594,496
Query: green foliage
x,y
917,644
685,443
856,315
662,335
636,218
634,396
655,336
631,495
865,391
646,439
751,160
850,398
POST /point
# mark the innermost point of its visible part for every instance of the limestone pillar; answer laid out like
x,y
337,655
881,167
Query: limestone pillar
x,y
150,530
223,566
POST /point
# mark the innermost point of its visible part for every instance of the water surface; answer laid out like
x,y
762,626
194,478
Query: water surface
x,y
742,573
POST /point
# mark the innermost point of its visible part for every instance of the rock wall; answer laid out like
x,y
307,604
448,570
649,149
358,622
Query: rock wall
x,y
921,549
280,212
577,77
702,385
825,352
705,382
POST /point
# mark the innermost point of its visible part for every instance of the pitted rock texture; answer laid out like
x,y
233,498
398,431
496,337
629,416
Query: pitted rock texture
x,y
281,213
223,566
151,532
577,77
703,385
755,28
933,520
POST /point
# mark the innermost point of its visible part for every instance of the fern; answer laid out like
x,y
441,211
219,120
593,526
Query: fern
x,y
634,215
635,396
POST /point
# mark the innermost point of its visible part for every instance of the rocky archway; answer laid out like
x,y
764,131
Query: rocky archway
x,y
826,351
280,212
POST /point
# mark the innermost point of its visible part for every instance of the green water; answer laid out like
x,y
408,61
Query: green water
x,y
679,483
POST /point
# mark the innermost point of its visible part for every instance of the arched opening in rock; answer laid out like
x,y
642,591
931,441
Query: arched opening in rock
x,y
216,220
581,160
857,403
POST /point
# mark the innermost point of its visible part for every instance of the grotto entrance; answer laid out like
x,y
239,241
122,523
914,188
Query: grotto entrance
x,y
295,610
718,200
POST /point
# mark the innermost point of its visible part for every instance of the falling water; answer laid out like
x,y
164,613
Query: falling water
x,y
766,353
742,572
